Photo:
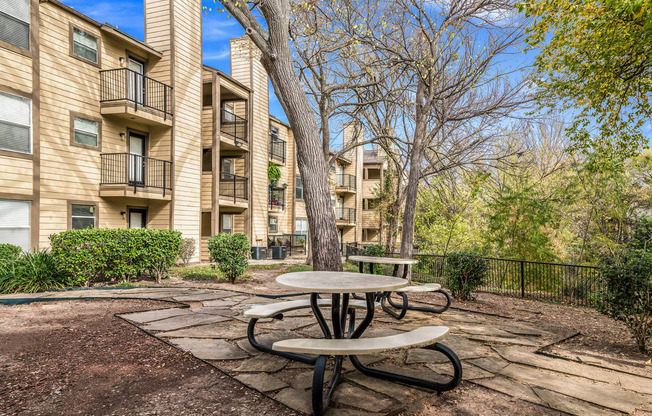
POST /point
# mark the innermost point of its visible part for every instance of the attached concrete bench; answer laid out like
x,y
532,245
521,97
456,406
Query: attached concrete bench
x,y
424,337
276,311
404,306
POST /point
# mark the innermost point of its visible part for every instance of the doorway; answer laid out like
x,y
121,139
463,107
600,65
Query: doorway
x,y
137,146
136,78
137,217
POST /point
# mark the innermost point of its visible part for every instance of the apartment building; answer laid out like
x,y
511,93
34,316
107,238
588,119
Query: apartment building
x,y
100,129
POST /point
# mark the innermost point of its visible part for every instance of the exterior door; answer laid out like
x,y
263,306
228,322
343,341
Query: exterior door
x,y
137,218
137,145
136,84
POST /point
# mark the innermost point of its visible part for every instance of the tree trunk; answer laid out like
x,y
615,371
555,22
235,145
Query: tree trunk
x,y
277,61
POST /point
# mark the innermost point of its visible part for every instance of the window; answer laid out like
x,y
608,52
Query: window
x,y
273,224
82,216
228,165
207,94
227,223
207,160
373,173
299,188
301,227
206,224
14,22
86,132
274,133
15,123
369,204
15,222
229,114
84,45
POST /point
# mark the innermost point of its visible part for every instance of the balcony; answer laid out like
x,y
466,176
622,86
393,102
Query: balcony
x,y
130,175
133,96
277,148
276,199
345,183
234,127
234,188
344,216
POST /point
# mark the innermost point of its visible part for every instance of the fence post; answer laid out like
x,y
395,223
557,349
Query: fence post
x,y
522,280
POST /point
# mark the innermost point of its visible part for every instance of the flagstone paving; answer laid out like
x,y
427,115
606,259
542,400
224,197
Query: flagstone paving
x,y
497,353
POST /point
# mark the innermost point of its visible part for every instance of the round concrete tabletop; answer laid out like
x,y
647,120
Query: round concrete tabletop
x,y
339,282
382,260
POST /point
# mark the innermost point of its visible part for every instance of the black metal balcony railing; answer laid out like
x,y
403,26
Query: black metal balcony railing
x,y
277,198
126,84
234,126
135,170
345,214
277,149
344,180
234,186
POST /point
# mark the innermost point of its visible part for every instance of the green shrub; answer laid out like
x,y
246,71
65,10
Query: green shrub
x,y
187,250
101,254
374,250
31,272
231,253
9,252
465,271
627,293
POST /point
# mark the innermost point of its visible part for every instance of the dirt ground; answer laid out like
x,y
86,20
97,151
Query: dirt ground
x,y
76,358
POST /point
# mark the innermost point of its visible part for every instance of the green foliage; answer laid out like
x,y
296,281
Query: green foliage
x,y
100,254
187,250
9,252
595,59
199,273
298,268
642,235
627,293
465,271
231,253
374,250
31,272
273,172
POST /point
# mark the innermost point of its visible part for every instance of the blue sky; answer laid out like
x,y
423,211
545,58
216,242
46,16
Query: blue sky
x,y
128,16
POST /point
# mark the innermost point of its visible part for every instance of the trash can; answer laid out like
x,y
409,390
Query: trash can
x,y
279,252
259,253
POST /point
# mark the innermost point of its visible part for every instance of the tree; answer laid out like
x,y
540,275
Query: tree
x,y
595,59
273,42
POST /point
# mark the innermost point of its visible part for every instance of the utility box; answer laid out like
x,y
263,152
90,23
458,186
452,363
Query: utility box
x,y
279,252
259,253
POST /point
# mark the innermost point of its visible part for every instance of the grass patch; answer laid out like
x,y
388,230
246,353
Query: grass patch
x,y
265,266
348,267
198,273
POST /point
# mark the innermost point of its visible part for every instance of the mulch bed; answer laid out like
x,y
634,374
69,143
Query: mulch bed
x,y
77,358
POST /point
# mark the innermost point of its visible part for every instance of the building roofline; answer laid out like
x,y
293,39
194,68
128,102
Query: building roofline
x,y
108,28
283,123
229,77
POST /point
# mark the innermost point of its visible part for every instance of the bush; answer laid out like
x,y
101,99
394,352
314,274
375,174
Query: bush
x,y
627,293
101,254
465,271
31,272
374,250
187,250
9,252
231,253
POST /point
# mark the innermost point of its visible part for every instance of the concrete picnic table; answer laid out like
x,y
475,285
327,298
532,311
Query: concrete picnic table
x,y
386,297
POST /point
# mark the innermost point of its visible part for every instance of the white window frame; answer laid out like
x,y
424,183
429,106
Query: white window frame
x,y
72,217
97,45
29,222
224,230
75,129
297,228
269,223
29,101
297,187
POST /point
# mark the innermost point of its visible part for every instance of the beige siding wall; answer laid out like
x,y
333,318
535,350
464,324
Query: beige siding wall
x,y
16,176
18,72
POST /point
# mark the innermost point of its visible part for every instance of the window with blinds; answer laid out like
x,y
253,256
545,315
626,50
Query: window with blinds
x,y
84,45
86,131
15,222
82,216
14,22
15,123
298,192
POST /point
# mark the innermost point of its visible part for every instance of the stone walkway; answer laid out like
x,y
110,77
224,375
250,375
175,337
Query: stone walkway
x,y
496,353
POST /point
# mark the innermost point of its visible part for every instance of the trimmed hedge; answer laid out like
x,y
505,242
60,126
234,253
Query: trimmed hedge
x,y
9,252
231,253
465,272
102,254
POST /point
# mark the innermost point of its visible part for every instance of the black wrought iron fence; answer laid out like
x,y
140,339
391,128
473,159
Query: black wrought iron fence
x,y
296,243
344,180
233,186
234,126
135,170
345,214
124,84
554,282
277,149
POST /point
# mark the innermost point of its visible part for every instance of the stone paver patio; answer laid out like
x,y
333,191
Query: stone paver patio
x,y
497,353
